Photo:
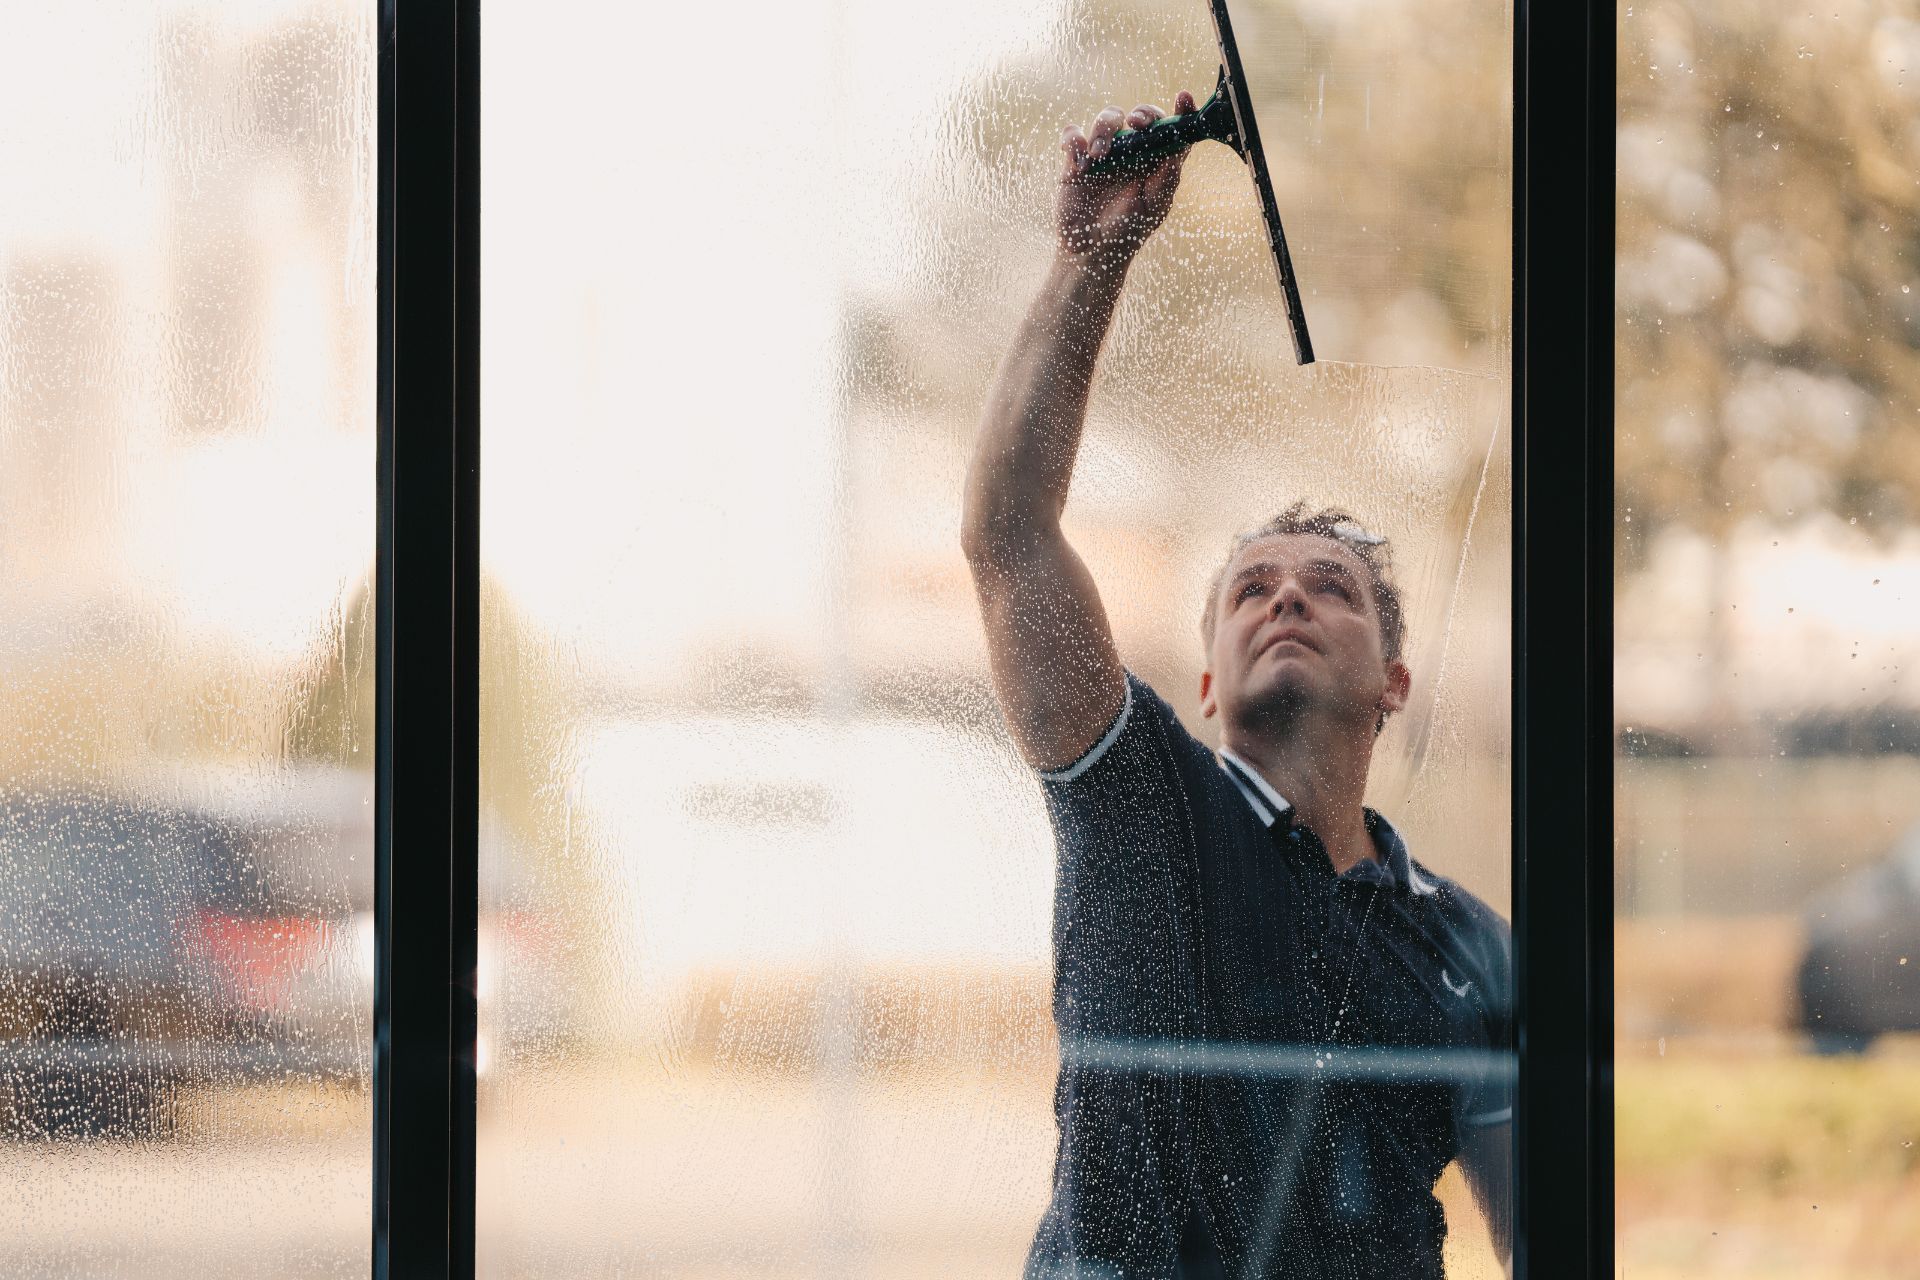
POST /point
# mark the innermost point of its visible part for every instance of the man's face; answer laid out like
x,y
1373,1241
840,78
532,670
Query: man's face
x,y
1297,630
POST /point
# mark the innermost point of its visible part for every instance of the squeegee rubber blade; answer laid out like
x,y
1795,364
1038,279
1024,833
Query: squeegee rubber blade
x,y
1256,159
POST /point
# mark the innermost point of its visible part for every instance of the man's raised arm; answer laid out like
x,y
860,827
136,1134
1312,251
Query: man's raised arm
x,y
1054,663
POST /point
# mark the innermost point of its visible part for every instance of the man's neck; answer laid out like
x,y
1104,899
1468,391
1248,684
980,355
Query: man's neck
x,y
1325,782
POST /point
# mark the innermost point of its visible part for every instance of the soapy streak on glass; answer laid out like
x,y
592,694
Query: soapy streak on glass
x,y
1293,1062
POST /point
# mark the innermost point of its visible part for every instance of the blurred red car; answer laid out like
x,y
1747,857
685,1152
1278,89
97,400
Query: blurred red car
x,y
147,944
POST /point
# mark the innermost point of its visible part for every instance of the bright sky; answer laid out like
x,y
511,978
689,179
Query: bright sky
x,y
245,537
1821,616
668,243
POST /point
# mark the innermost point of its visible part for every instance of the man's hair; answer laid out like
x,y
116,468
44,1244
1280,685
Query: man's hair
x,y
1339,526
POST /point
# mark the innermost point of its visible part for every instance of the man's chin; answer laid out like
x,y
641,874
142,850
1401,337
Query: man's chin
x,y
1282,697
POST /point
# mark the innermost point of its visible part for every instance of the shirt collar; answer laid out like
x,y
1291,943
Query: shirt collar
x,y
1399,861
1268,805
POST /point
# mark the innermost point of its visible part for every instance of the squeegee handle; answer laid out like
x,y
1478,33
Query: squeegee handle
x,y
1137,149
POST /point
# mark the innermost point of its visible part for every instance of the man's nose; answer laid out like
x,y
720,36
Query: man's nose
x,y
1290,598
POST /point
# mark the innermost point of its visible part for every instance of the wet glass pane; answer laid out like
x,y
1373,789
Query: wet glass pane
x,y
1768,892
772,979
186,537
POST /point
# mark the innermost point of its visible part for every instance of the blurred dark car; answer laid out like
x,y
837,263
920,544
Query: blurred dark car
x,y
146,945
1861,973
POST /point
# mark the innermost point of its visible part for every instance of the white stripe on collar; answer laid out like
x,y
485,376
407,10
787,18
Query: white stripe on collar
x,y
1419,883
1268,803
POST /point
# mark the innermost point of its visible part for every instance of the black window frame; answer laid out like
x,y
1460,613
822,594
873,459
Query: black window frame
x,y
428,622
427,637
1563,259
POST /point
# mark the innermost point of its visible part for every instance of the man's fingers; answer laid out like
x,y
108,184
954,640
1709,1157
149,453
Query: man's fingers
x,y
1144,115
1105,125
1074,143
1084,148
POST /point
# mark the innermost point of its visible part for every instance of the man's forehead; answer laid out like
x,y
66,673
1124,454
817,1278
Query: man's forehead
x,y
1295,550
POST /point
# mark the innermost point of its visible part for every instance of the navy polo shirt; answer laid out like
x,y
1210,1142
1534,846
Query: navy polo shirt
x,y
1194,917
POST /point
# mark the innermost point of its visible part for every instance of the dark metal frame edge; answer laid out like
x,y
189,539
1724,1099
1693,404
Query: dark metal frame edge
x,y
1563,257
427,640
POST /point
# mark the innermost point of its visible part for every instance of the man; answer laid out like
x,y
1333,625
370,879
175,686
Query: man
x,y
1276,1029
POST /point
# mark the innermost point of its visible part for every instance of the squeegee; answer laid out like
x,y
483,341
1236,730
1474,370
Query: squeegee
x,y
1225,117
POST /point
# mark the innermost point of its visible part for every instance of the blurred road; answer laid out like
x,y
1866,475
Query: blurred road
x,y
294,1207
695,1174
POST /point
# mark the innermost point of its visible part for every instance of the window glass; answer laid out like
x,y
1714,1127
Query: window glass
x,y
768,968
186,500
1768,924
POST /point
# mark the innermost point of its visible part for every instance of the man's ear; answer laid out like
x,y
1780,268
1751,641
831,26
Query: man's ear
x,y
1399,683
1207,705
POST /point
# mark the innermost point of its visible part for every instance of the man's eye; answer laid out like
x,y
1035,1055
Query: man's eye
x,y
1252,588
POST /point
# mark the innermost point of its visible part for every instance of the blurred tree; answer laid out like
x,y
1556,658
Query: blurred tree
x,y
524,710
1768,212
536,854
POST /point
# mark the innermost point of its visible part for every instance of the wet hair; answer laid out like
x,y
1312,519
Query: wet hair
x,y
1340,527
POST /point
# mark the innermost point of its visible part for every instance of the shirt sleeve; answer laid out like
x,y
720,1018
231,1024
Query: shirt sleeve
x,y
1100,748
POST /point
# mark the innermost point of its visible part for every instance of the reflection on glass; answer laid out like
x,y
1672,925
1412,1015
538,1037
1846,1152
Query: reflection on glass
x,y
768,967
1768,924
186,450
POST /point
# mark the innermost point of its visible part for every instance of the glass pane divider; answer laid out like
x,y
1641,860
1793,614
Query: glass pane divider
x,y
427,622
1563,637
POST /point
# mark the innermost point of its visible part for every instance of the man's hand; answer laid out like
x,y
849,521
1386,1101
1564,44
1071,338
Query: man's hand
x,y
1105,218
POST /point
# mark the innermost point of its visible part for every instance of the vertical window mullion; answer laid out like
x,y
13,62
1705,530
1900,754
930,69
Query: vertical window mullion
x,y
1563,677
428,636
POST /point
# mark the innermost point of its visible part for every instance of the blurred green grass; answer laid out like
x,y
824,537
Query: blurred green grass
x,y
1737,1152
1770,1124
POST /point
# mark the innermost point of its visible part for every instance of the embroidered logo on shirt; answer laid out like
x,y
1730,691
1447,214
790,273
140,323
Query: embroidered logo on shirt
x,y
1460,990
